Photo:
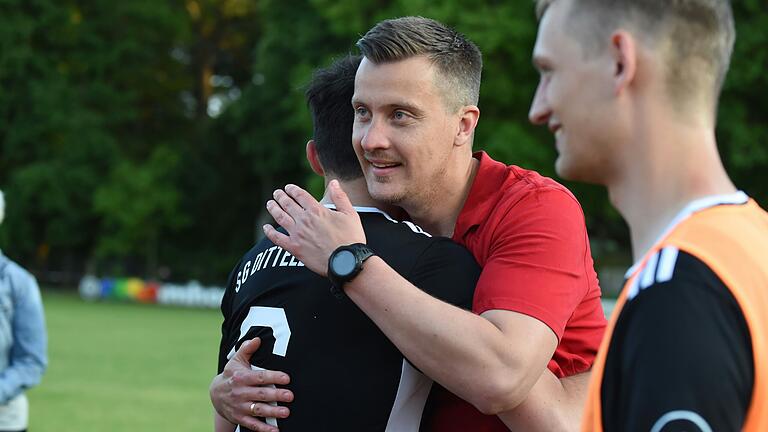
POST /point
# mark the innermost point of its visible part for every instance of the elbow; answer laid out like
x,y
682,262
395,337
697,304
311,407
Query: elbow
x,y
35,375
499,395
32,370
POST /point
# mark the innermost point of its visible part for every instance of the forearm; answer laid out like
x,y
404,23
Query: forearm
x,y
552,404
464,352
22,374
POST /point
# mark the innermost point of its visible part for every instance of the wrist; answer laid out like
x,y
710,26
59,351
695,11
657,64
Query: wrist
x,y
345,263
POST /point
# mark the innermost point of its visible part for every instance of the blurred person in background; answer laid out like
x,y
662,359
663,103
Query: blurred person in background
x,y
23,340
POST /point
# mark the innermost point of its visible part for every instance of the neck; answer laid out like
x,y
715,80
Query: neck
x,y
438,216
669,163
357,191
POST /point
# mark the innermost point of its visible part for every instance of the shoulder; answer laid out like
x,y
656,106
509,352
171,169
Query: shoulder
x,y
415,246
22,284
677,301
391,237
670,272
20,277
543,209
374,223
449,252
529,190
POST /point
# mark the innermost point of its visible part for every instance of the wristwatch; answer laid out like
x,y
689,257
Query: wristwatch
x,y
345,263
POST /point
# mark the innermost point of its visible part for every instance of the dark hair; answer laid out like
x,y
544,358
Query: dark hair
x,y
458,61
329,96
695,36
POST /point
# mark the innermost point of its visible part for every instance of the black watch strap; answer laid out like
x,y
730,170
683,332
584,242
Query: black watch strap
x,y
361,252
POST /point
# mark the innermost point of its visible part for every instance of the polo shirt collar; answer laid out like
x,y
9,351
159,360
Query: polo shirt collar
x,y
483,195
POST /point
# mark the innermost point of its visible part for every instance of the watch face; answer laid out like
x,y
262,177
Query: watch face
x,y
343,263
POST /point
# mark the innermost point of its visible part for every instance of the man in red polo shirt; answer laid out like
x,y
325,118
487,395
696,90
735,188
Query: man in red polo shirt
x,y
537,313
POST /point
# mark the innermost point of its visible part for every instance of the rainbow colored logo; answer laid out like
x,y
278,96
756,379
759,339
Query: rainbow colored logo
x,y
137,290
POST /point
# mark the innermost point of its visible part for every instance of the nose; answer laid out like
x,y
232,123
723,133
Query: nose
x,y
374,136
540,110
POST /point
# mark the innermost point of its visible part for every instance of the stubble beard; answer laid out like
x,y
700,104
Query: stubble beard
x,y
392,198
412,200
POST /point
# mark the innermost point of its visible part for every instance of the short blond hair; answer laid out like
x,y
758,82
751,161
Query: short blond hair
x,y
456,58
695,36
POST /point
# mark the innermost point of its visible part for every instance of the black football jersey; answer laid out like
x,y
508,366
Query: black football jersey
x,y
345,374
680,339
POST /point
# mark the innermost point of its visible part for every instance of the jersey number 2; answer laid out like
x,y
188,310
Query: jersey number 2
x,y
274,318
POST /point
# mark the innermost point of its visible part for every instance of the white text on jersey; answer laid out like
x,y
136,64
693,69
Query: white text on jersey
x,y
282,258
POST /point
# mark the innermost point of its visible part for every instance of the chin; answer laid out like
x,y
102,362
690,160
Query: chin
x,y
581,173
385,194
568,170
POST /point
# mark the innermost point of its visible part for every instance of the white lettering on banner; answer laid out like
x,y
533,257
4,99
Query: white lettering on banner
x,y
192,294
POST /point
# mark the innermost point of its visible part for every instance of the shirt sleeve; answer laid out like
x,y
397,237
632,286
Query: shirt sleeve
x,y
537,261
683,357
226,312
447,271
28,358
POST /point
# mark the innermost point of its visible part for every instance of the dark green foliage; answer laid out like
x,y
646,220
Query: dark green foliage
x,y
149,133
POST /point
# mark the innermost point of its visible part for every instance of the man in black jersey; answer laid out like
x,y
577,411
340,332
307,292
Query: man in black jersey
x,y
320,337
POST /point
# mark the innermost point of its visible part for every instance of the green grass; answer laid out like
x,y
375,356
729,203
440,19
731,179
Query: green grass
x,y
125,367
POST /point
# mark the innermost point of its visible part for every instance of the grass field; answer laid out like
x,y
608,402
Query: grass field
x,y
125,367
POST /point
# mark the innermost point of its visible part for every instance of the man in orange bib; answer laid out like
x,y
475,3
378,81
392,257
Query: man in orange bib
x,y
630,91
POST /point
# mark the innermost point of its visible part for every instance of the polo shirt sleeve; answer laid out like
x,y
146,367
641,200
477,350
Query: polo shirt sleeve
x,y
537,263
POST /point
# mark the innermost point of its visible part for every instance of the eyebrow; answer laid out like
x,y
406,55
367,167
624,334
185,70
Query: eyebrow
x,y
404,105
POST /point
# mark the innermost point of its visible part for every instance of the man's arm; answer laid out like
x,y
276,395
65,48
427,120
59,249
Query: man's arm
x,y
487,366
238,386
552,405
28,358
495,358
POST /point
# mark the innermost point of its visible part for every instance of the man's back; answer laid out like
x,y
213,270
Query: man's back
x,y
347,374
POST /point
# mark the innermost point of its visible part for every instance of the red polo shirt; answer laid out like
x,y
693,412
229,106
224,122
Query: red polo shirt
x,y
527,233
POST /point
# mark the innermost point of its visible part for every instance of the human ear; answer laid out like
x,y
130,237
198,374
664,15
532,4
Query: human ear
x,y
314,159
624,56
468,117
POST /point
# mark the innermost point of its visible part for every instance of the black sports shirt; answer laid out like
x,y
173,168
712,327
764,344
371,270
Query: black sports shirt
x,y
680,358
345,374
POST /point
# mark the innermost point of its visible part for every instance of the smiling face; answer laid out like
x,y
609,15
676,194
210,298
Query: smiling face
x,y
403,132
575,98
